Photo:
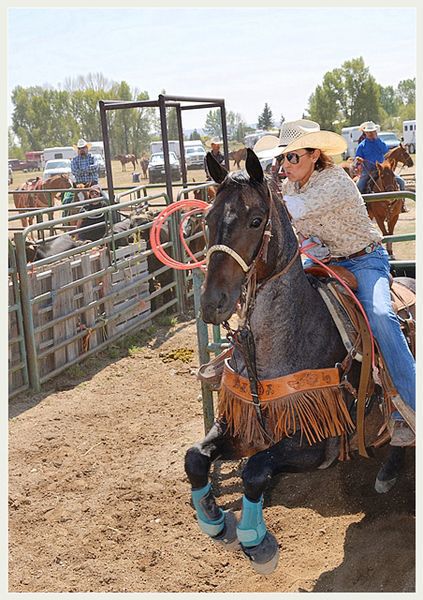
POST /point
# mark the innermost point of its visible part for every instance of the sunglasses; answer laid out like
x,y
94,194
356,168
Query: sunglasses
x,y
292,157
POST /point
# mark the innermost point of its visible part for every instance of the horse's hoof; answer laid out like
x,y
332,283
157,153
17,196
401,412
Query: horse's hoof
x,y
264,557
227,537
384,486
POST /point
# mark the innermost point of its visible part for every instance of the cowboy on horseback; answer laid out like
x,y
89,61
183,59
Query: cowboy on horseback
x,y
324,202
370,151
84,166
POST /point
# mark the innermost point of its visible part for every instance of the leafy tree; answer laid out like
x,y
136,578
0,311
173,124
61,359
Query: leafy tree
x,y
14,150
236,126
349,95
265,120
172,124
213,124
407,91
195,135
389,100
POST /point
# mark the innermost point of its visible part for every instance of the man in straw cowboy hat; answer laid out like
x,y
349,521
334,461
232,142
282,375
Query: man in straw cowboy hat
x,y
324,202
84,166
369,151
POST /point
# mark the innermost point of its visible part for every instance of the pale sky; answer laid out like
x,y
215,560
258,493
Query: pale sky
x,y
247,56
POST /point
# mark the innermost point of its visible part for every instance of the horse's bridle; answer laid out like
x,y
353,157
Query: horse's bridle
x,y
262,252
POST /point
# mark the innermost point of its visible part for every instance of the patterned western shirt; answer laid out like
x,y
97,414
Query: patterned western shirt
x,y
330,207
85,169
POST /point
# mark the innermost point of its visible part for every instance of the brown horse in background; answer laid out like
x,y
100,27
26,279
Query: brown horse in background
x,y
399,154
32,195
126,158
237,156
385,211
144,166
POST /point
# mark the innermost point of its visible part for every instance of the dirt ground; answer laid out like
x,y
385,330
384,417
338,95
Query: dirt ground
x,y
99,501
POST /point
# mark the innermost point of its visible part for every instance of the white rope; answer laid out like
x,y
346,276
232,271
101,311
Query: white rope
x,y
231,252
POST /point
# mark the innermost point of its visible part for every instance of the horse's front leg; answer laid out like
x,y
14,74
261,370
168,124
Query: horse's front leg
x,y
392,221
218,524
258,544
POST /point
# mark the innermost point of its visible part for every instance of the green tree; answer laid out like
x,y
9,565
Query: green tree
x,y
348,95
172,124
213,124
407,91
389,100
42,116
236,126
195,135
265,120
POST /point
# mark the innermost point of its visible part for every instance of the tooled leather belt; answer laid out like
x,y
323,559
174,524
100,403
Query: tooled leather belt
x,y
367,250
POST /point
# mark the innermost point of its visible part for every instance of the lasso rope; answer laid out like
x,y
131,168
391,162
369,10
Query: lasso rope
x,y
194,207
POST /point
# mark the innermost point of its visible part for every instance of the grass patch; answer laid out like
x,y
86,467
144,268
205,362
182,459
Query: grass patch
x,y
76,371
166,320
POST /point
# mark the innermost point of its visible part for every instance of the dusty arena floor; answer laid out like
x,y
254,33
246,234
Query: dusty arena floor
x,y
99,501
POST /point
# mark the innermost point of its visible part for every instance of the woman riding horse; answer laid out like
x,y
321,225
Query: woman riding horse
x,y
252,240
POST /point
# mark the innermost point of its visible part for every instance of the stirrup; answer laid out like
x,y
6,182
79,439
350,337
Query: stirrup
x,y
211,372
406,411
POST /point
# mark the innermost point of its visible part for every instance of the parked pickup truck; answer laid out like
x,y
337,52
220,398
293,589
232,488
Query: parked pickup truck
x,y
23,165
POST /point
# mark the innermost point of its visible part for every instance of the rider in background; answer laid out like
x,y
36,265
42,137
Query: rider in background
x,y
371,150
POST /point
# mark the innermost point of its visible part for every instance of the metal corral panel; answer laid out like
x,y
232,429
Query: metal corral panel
x,y
80,303
18,369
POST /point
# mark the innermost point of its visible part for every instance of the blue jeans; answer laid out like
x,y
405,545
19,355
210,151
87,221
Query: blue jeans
x,y
401,183
372,274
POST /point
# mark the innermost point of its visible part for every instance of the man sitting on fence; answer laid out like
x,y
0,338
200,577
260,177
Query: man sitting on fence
x,y
84,166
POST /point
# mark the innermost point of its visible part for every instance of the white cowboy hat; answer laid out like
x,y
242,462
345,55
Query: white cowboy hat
x,y
216,141
81,144
290,131
368,126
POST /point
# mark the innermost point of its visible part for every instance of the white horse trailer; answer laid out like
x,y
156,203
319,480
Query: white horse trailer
x,y
409,135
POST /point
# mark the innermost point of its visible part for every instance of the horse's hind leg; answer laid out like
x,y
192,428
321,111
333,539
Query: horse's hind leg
x,y
258,544
218,524
389,471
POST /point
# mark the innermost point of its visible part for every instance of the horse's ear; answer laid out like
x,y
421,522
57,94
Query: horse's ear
x,y
378,165
216,170
391,162
253,166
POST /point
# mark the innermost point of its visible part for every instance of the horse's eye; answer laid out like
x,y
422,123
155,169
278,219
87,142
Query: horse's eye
x,y
256,222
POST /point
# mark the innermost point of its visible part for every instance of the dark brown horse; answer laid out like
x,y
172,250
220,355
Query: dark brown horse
x,y
385,212
253,259
126,158
237,156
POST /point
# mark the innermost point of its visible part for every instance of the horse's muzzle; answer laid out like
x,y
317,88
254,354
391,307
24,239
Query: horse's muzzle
x,y
217,308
